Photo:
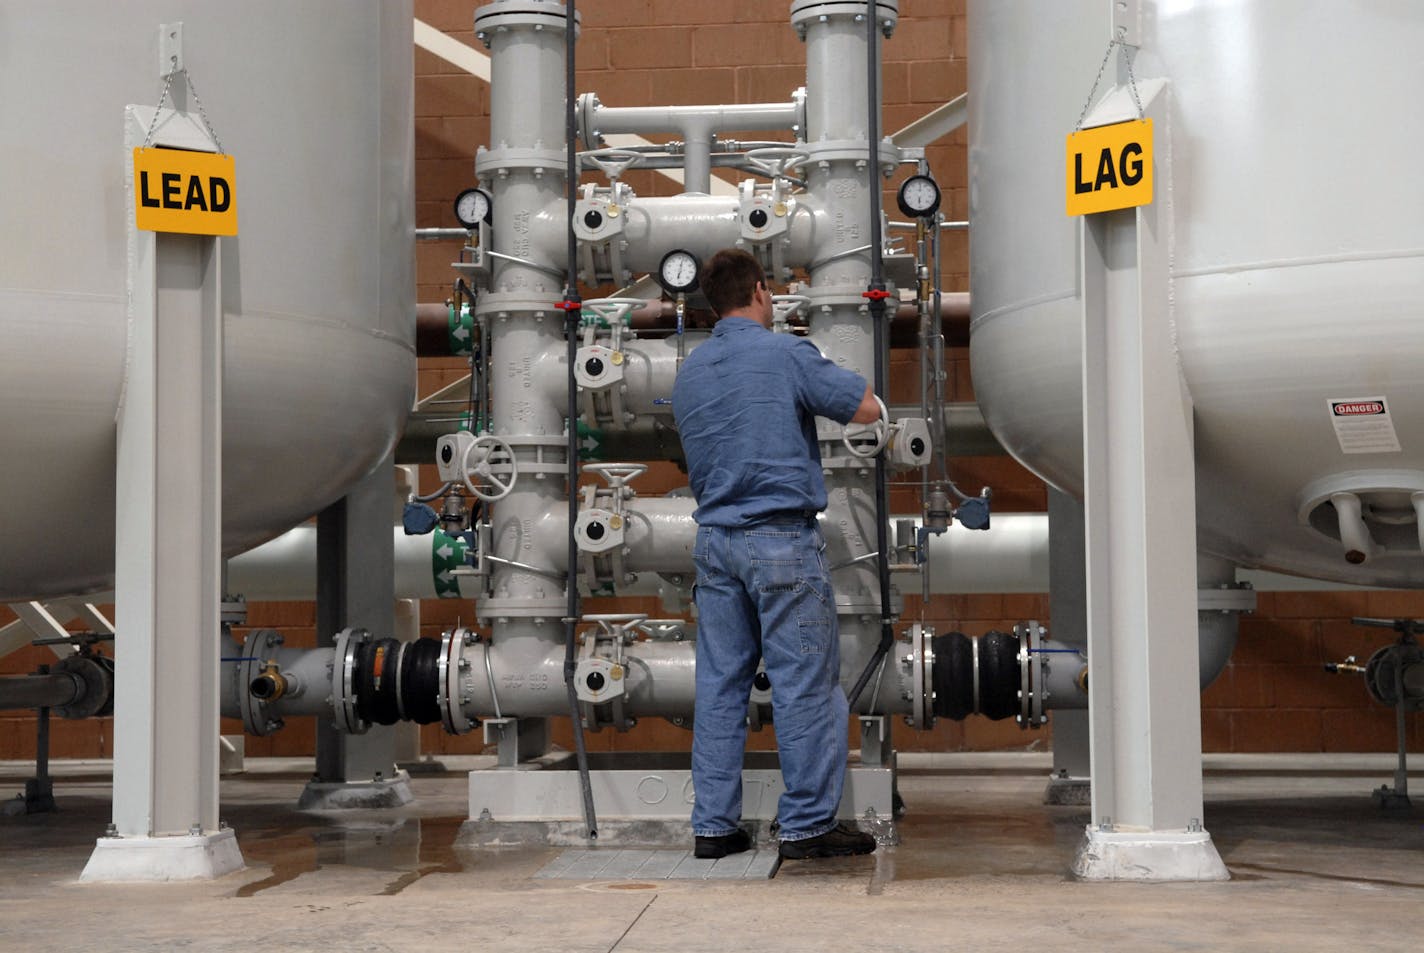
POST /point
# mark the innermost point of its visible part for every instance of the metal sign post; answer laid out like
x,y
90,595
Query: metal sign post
x,y
1140,499
168,550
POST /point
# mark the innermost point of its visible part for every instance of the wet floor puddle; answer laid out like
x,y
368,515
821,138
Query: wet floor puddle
x,y
417,847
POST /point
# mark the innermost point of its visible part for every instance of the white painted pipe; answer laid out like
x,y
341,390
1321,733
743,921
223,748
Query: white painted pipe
x,y
697,125
1010,557
1354,534
284,569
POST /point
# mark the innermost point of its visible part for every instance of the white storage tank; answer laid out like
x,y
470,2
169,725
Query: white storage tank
x,y
314,99
1297,261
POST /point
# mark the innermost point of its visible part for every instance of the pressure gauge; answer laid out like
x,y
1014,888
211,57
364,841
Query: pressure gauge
x,y
678,271
473,206
919,196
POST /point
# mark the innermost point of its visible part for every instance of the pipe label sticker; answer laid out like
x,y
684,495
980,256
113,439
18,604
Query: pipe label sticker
x,y
179,190
1109,167
1363,425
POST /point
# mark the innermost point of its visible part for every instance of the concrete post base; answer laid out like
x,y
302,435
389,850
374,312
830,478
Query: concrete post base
x,y
157,859
1148,856
350,795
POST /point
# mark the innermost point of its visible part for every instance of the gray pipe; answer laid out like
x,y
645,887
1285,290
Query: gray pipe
x,y
40,691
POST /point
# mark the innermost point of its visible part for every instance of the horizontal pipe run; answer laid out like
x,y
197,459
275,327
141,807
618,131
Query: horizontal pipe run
x,y
39,691
1013,557
651,438
441,234
601,120
432,323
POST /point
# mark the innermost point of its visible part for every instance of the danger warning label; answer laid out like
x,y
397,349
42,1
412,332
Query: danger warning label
x,y
1363,425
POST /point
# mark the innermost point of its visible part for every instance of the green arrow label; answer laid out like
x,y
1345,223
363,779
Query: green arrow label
x,y
590,441
462,331
447,553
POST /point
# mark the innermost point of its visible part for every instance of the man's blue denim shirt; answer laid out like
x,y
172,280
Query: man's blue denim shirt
x,y
746,403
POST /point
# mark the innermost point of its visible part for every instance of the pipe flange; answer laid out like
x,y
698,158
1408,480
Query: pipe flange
x,y
825,151
256,650
1031,687
806,12
588,106
98,681
549,453
343,682
534,607
449,665
502,305
503,15
233,611
922,678
827,297
502,160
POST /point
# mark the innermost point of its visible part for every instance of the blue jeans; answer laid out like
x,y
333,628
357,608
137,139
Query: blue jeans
x,y
765,592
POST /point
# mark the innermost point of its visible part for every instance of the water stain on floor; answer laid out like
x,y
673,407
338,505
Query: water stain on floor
x,y
417,847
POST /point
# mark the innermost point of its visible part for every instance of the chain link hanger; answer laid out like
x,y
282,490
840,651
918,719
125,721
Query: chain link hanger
x,y
203,113
1127,58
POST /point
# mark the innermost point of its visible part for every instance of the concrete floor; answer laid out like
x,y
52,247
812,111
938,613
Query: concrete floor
x,y
982,866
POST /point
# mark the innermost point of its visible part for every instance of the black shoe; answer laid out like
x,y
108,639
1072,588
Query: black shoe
x,y
843,840
710,848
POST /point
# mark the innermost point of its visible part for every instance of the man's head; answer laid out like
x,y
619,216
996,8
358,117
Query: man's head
x,y
736,286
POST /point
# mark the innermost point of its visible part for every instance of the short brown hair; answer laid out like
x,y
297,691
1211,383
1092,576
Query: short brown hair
x,y
729,279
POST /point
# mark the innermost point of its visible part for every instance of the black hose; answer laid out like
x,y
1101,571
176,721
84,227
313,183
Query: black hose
x,y
876,295
573,307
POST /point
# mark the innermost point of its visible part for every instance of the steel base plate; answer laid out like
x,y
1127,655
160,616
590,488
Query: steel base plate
x,y
649,786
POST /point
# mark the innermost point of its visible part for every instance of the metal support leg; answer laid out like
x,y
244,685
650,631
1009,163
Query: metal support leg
x,y
518,739
1140,497
1067,593
1397,797
875,745
39,790
355,587
168,557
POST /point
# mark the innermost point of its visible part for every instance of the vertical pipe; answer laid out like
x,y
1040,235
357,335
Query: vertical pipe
x,y
573,307
877,294
697,158
42,750
837,121
1354,534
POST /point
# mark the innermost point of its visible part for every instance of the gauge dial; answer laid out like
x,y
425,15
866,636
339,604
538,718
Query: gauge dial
x,y
473,206
919,196
678,271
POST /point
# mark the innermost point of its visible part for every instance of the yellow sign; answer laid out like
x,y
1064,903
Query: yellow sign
x,y
1110,167
176,190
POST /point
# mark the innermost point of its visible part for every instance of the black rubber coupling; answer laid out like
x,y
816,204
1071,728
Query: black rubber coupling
x,y
954,676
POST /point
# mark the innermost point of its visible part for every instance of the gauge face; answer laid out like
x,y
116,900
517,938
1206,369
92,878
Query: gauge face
x,y
919,196
473,206
678,271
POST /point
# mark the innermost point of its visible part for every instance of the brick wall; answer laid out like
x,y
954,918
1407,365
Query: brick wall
x,y
1274,696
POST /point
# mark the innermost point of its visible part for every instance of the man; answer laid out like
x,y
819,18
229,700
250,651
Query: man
x,y
745,403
